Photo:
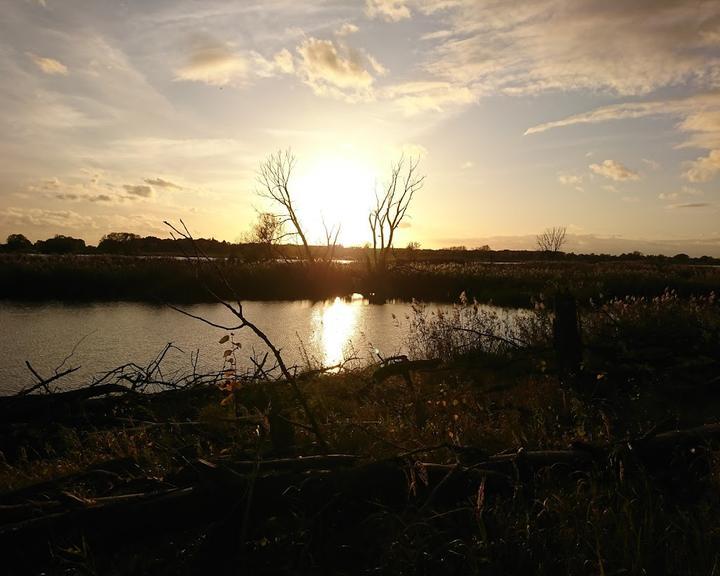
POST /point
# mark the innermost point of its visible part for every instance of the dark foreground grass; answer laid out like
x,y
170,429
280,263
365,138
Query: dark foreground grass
x,y
87,278
394,511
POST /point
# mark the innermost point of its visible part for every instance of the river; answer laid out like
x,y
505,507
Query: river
x,y
102,336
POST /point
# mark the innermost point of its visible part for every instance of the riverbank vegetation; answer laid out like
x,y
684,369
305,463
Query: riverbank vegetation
x,y
84,278
478,454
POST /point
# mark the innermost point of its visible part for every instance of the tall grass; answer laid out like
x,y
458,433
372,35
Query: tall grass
x,y
470,327
34,277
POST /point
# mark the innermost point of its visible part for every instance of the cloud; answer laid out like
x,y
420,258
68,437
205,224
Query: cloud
x,y
214,63
535,46
417,97
140,190
684,191
338,70
41,217
614,170
704,168
346,29
689,206
388,10
281,63
75,189
569,179
699,118
67,196
651,164
614,112
161,183
49,66
72,197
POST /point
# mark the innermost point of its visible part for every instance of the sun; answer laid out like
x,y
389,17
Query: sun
x,y
338,189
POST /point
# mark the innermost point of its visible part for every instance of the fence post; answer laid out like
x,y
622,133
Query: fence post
x,y
566,336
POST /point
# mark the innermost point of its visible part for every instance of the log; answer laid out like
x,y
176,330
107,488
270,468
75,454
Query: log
x,y
52,407
403,367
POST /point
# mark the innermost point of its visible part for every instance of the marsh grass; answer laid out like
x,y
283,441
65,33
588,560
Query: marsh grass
x,y
103,277
488,396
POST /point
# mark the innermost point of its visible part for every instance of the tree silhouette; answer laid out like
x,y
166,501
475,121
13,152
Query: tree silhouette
x,y
391,207
18,243
552,239
274,177
267,231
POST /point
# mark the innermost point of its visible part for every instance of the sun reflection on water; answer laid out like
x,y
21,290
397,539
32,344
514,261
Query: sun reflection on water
x,y
335,324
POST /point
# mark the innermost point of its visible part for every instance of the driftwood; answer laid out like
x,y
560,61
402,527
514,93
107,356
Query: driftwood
x,y
386,483
234,499
51,407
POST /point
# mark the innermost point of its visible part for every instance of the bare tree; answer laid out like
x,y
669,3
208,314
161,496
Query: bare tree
x,y
390,208
274,178
552,239
331,237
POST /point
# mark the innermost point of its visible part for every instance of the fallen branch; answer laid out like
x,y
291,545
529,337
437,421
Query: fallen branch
x,y
43,382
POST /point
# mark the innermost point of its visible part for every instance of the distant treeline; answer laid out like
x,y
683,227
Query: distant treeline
x,y
128,244
159,279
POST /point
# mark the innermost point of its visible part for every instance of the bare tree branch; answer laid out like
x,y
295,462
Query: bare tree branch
x,y
274,178
391,207
552,239
237,311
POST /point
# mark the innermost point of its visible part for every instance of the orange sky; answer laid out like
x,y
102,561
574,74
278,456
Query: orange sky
x,y
600,116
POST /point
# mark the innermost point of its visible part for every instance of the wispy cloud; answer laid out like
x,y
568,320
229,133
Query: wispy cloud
x,y
417,97
44,218
49,66
614,170
690,206
684,191
346,29
622,111
573,180
162,183
704,168
281,63
213,62
532,46
139,190
72,197
389,10
569,179
334,68
699,118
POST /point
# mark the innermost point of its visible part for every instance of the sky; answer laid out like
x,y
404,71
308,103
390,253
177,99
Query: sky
x,y
602,116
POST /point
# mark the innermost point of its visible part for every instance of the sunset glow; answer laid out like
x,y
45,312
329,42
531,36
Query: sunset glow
x,y
335,325
337,190
598,116
359,287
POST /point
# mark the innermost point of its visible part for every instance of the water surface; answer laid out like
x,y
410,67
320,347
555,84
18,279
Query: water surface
x,y
106,335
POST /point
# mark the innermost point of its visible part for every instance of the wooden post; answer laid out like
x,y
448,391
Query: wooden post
x,y
566,336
